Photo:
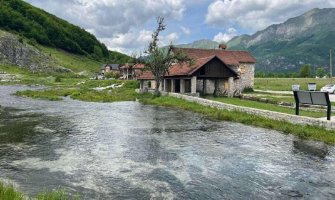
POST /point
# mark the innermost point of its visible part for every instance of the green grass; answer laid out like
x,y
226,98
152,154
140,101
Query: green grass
x,y
74,62
267,106
306,132
285,84
85,91
8,192
274,98
56,195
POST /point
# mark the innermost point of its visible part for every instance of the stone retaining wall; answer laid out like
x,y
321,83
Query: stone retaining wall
x,y
264,113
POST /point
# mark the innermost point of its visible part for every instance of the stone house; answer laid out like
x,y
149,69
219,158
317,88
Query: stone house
x,y
217,71
106,68
131,72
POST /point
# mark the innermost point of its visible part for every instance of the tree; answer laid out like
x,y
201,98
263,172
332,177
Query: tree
x,y
159,60
305,71
321,72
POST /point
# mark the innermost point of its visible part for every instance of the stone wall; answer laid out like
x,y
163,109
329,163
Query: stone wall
x,y
253,111
210,86
247,76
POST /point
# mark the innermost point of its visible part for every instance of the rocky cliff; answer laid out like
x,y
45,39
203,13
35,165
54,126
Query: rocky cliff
x,y
14,51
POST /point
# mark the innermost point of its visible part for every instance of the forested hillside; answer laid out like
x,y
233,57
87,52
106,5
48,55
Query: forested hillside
x,y
285,47
21,18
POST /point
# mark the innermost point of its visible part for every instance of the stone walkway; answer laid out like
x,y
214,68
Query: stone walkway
x,y
264,113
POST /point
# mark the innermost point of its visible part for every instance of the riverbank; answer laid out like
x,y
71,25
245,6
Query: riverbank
x,y
303,131
84,91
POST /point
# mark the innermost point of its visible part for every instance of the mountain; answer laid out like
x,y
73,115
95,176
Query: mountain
x,y
21,18
33,39
304,39
202,44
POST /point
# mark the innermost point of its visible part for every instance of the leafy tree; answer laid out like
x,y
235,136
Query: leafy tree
x,y
305,71
159,61
321,72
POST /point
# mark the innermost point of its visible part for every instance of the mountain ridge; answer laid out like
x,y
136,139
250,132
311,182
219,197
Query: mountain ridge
x,y
285,47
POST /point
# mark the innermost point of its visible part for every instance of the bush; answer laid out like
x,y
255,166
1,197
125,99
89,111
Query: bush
x,y
58,79
248,89
112,75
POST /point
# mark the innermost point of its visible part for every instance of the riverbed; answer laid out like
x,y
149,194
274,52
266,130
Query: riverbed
x,y
127,150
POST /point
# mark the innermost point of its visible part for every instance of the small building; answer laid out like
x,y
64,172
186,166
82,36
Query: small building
x,y
106,68
218,71
130,71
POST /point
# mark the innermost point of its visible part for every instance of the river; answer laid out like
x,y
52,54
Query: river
x,y
127,150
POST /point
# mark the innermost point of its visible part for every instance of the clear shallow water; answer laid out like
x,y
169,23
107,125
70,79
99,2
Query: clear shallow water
x,y
131,151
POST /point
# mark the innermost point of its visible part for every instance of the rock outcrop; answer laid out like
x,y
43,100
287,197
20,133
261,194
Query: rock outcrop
x,y
14,51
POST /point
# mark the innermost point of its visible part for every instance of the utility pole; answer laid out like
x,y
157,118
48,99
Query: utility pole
x,y
330,65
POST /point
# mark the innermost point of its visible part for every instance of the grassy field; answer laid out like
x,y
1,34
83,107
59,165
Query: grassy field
x,y
307,132
285,84
267,106
275,98
8,192
74,62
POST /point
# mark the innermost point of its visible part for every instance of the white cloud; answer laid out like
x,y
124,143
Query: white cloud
x,y
185,30
258,14
133,42
107,17
115,22
170,38
225,37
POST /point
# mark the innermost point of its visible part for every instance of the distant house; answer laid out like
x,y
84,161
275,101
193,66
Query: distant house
x,y
131,72
106,68
218,71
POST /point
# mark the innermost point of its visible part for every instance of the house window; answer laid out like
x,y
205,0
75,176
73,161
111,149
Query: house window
x,y
203,71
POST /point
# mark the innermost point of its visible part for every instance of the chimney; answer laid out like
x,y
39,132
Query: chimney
x,y
222,46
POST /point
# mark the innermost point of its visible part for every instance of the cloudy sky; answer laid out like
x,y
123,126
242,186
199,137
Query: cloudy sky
x,y
126,25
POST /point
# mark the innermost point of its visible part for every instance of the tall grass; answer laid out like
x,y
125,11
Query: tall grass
x,y
9,193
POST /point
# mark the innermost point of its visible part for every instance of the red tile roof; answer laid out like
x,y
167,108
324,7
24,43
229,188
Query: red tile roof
x,y
227,56
201,57
186,69
136,66
146,75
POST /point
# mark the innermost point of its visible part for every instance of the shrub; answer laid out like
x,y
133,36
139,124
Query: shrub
x,y
248,89
112,75
58,79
